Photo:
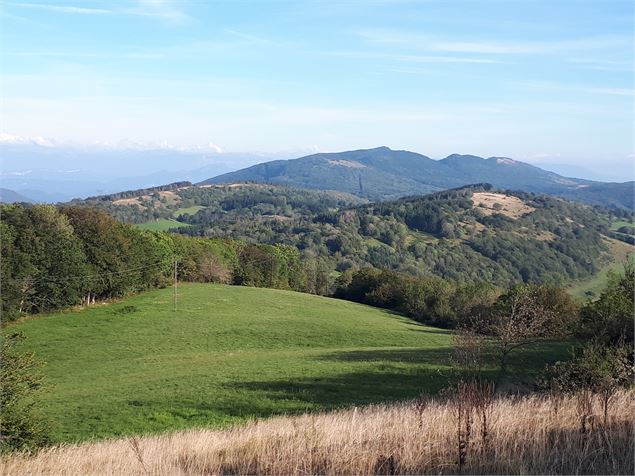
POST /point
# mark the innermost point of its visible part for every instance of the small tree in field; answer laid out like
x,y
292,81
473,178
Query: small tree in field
x,y
528,314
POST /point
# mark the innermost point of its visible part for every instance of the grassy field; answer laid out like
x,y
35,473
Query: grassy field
x,y
620,253
616,225
162,224
189,210
230,354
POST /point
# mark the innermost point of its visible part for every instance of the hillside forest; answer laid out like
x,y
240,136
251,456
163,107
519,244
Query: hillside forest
x,y
467,235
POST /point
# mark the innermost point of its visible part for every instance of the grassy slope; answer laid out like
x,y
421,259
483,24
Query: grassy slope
x,y
228,354
162,224
620,252
616,225
189,210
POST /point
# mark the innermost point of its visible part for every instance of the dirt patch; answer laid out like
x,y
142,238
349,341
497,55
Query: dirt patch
x,y
170,197
128,202
508,205
619,250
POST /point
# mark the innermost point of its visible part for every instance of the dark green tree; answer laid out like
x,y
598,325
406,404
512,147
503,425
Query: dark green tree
x,y
21,426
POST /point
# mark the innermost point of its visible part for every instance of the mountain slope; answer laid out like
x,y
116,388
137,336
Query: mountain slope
x,y
470,234
9,196
382,173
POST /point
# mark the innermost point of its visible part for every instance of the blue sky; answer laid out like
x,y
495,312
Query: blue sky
x,y
543,81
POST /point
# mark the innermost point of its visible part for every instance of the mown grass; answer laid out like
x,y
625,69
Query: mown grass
x,y
189,210
162,224
230,354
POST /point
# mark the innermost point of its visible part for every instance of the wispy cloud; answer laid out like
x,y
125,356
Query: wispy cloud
x,y
416,58
575,88
499,47
602,64
62,8
250,38
162,9
165,9
81,55
609,91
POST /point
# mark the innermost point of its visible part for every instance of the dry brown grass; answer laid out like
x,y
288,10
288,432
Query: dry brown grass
x,y
528,435
618,250
489,203
134,201
170,196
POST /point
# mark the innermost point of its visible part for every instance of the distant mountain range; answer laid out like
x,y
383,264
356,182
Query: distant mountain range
x,y
47,172
9,196
384,174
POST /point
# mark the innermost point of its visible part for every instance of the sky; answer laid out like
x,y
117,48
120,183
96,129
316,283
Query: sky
x,y
549,82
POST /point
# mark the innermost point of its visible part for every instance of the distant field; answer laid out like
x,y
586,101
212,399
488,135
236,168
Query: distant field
x,y
616,225
164,224
620,252
189,210
230,354
161,224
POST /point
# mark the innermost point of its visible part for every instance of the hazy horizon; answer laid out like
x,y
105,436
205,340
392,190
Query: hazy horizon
x,y
548,83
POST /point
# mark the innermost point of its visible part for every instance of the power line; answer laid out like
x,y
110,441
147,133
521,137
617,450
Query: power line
x,y
98,275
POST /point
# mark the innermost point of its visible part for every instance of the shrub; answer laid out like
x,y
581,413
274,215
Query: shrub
x,y
21,427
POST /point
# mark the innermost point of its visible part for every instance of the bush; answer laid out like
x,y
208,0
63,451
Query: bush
x,y
610,318
598,368
21,427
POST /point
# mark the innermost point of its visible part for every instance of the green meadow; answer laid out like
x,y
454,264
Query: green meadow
x,y
189,210
592,287
617,224
162,224
229,354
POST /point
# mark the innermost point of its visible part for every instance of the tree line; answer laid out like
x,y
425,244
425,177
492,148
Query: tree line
x,y
56,257
443,234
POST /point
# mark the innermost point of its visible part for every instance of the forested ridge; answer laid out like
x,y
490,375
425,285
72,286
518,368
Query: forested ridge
x,y
530,238
311,241
385,174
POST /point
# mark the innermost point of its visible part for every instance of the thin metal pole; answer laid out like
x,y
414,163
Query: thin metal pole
x,y
176,283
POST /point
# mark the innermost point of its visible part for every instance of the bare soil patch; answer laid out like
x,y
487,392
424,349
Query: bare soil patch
x,y
508,205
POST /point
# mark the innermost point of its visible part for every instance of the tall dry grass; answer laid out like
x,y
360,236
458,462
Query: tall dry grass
x,y
525,435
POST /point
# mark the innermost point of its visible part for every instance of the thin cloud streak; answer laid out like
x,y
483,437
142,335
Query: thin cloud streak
x,y
146,8
602,65
63,8
547,86
416,58
431,43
